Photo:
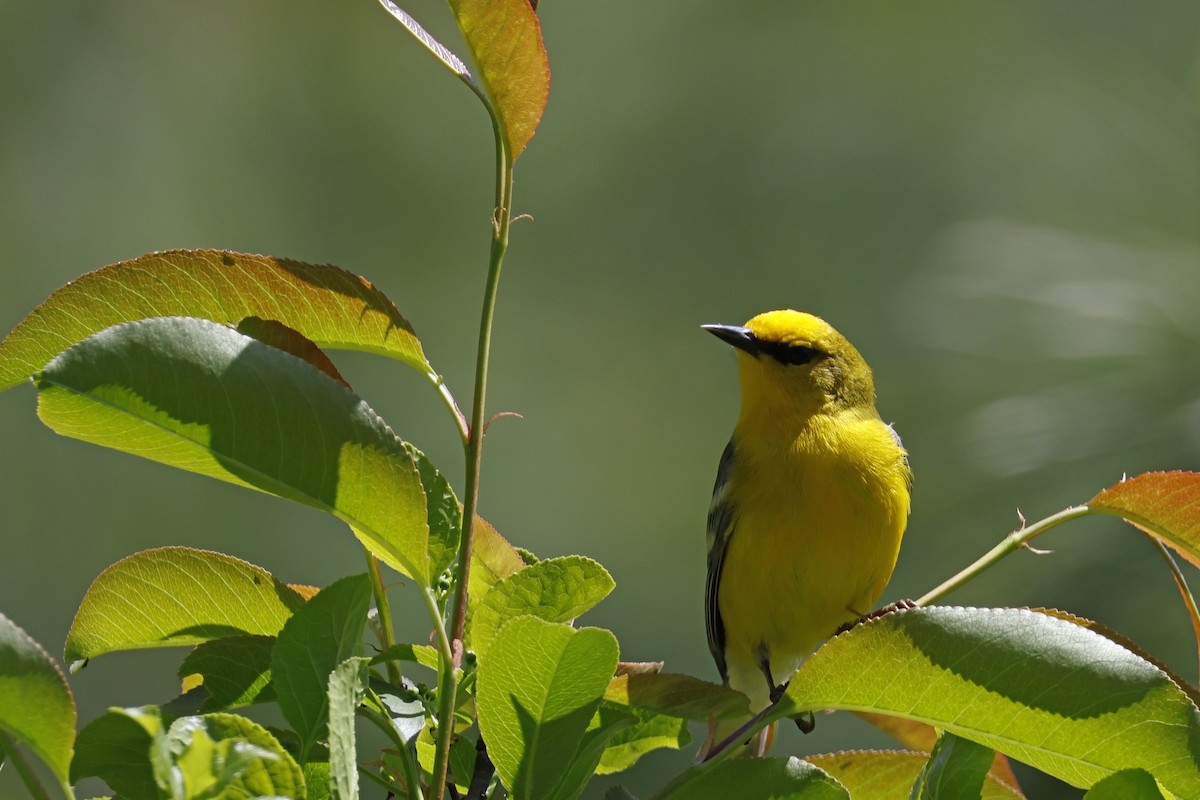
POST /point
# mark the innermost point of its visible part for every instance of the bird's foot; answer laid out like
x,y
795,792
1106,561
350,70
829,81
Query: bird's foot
x,y
899,605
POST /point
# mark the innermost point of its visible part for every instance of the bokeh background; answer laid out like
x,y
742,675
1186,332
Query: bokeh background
x,y
996,202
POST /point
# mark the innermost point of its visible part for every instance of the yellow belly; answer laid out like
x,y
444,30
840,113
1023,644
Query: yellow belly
x,y
817,530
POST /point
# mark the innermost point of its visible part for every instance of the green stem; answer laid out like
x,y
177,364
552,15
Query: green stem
x,y
387,635
1188,600
448,691
460,420
32,784
1014,541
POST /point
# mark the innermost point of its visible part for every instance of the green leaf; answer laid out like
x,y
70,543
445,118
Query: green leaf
x,y
177,596
347,686
116,748
231,757
505,39
556,590
443,513
649,732
328,305
956,768
889,774
36,706
318,781
537,691
403,707
202,397
677,696
1164,504
760,778
607,723
321,635
1128,784
422,654
1052,694
236,670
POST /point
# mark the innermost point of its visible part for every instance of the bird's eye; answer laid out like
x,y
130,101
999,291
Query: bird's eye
x,y
790,354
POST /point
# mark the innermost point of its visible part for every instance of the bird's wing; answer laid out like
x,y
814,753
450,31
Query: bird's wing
x,y
720,526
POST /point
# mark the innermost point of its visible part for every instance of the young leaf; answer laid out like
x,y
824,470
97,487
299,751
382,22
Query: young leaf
x,y
505,39
175,596
321,635
236,670
36,706
1049,693
202,397
330,306
760,778
956,768
889,775
347,685
227,756
537,691
1164,504
556,590
605,725
492,560
1128,784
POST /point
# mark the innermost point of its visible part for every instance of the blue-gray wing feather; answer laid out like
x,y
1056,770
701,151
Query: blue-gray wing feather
x,y
720,526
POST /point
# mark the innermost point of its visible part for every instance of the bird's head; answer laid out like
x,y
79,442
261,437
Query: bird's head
x,y
792,363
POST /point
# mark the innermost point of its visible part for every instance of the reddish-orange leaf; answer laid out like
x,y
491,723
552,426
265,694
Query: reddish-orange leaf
x,y
1164,504
505,39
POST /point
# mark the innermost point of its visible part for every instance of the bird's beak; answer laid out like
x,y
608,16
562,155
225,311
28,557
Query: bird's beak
x,y
736,335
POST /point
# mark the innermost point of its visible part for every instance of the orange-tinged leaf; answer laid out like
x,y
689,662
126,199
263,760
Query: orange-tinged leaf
x,y
919,736
290,341
492,559
677,695
505,39
1164,504
328,305
888,774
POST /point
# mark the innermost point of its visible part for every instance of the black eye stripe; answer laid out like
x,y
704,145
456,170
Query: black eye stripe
x,y
791,354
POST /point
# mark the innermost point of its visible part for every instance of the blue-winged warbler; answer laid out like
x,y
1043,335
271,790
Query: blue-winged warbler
x,y
810,503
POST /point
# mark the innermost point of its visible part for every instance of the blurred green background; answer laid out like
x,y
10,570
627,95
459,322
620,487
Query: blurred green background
x,y
996,202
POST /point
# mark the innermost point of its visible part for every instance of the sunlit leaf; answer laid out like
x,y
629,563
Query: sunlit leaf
x,y
439,50
1043,690
650,732
332,307
556,590
537,692
1164,504
919,736
232,758
200,396
36,706
889,774
175,596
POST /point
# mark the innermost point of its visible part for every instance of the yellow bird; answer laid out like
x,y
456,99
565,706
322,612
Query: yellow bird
x,y
810,503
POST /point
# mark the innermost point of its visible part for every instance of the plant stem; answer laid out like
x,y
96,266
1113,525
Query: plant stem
x,y
1013,541
412,775
1188,600
387,635
32,784
447,693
